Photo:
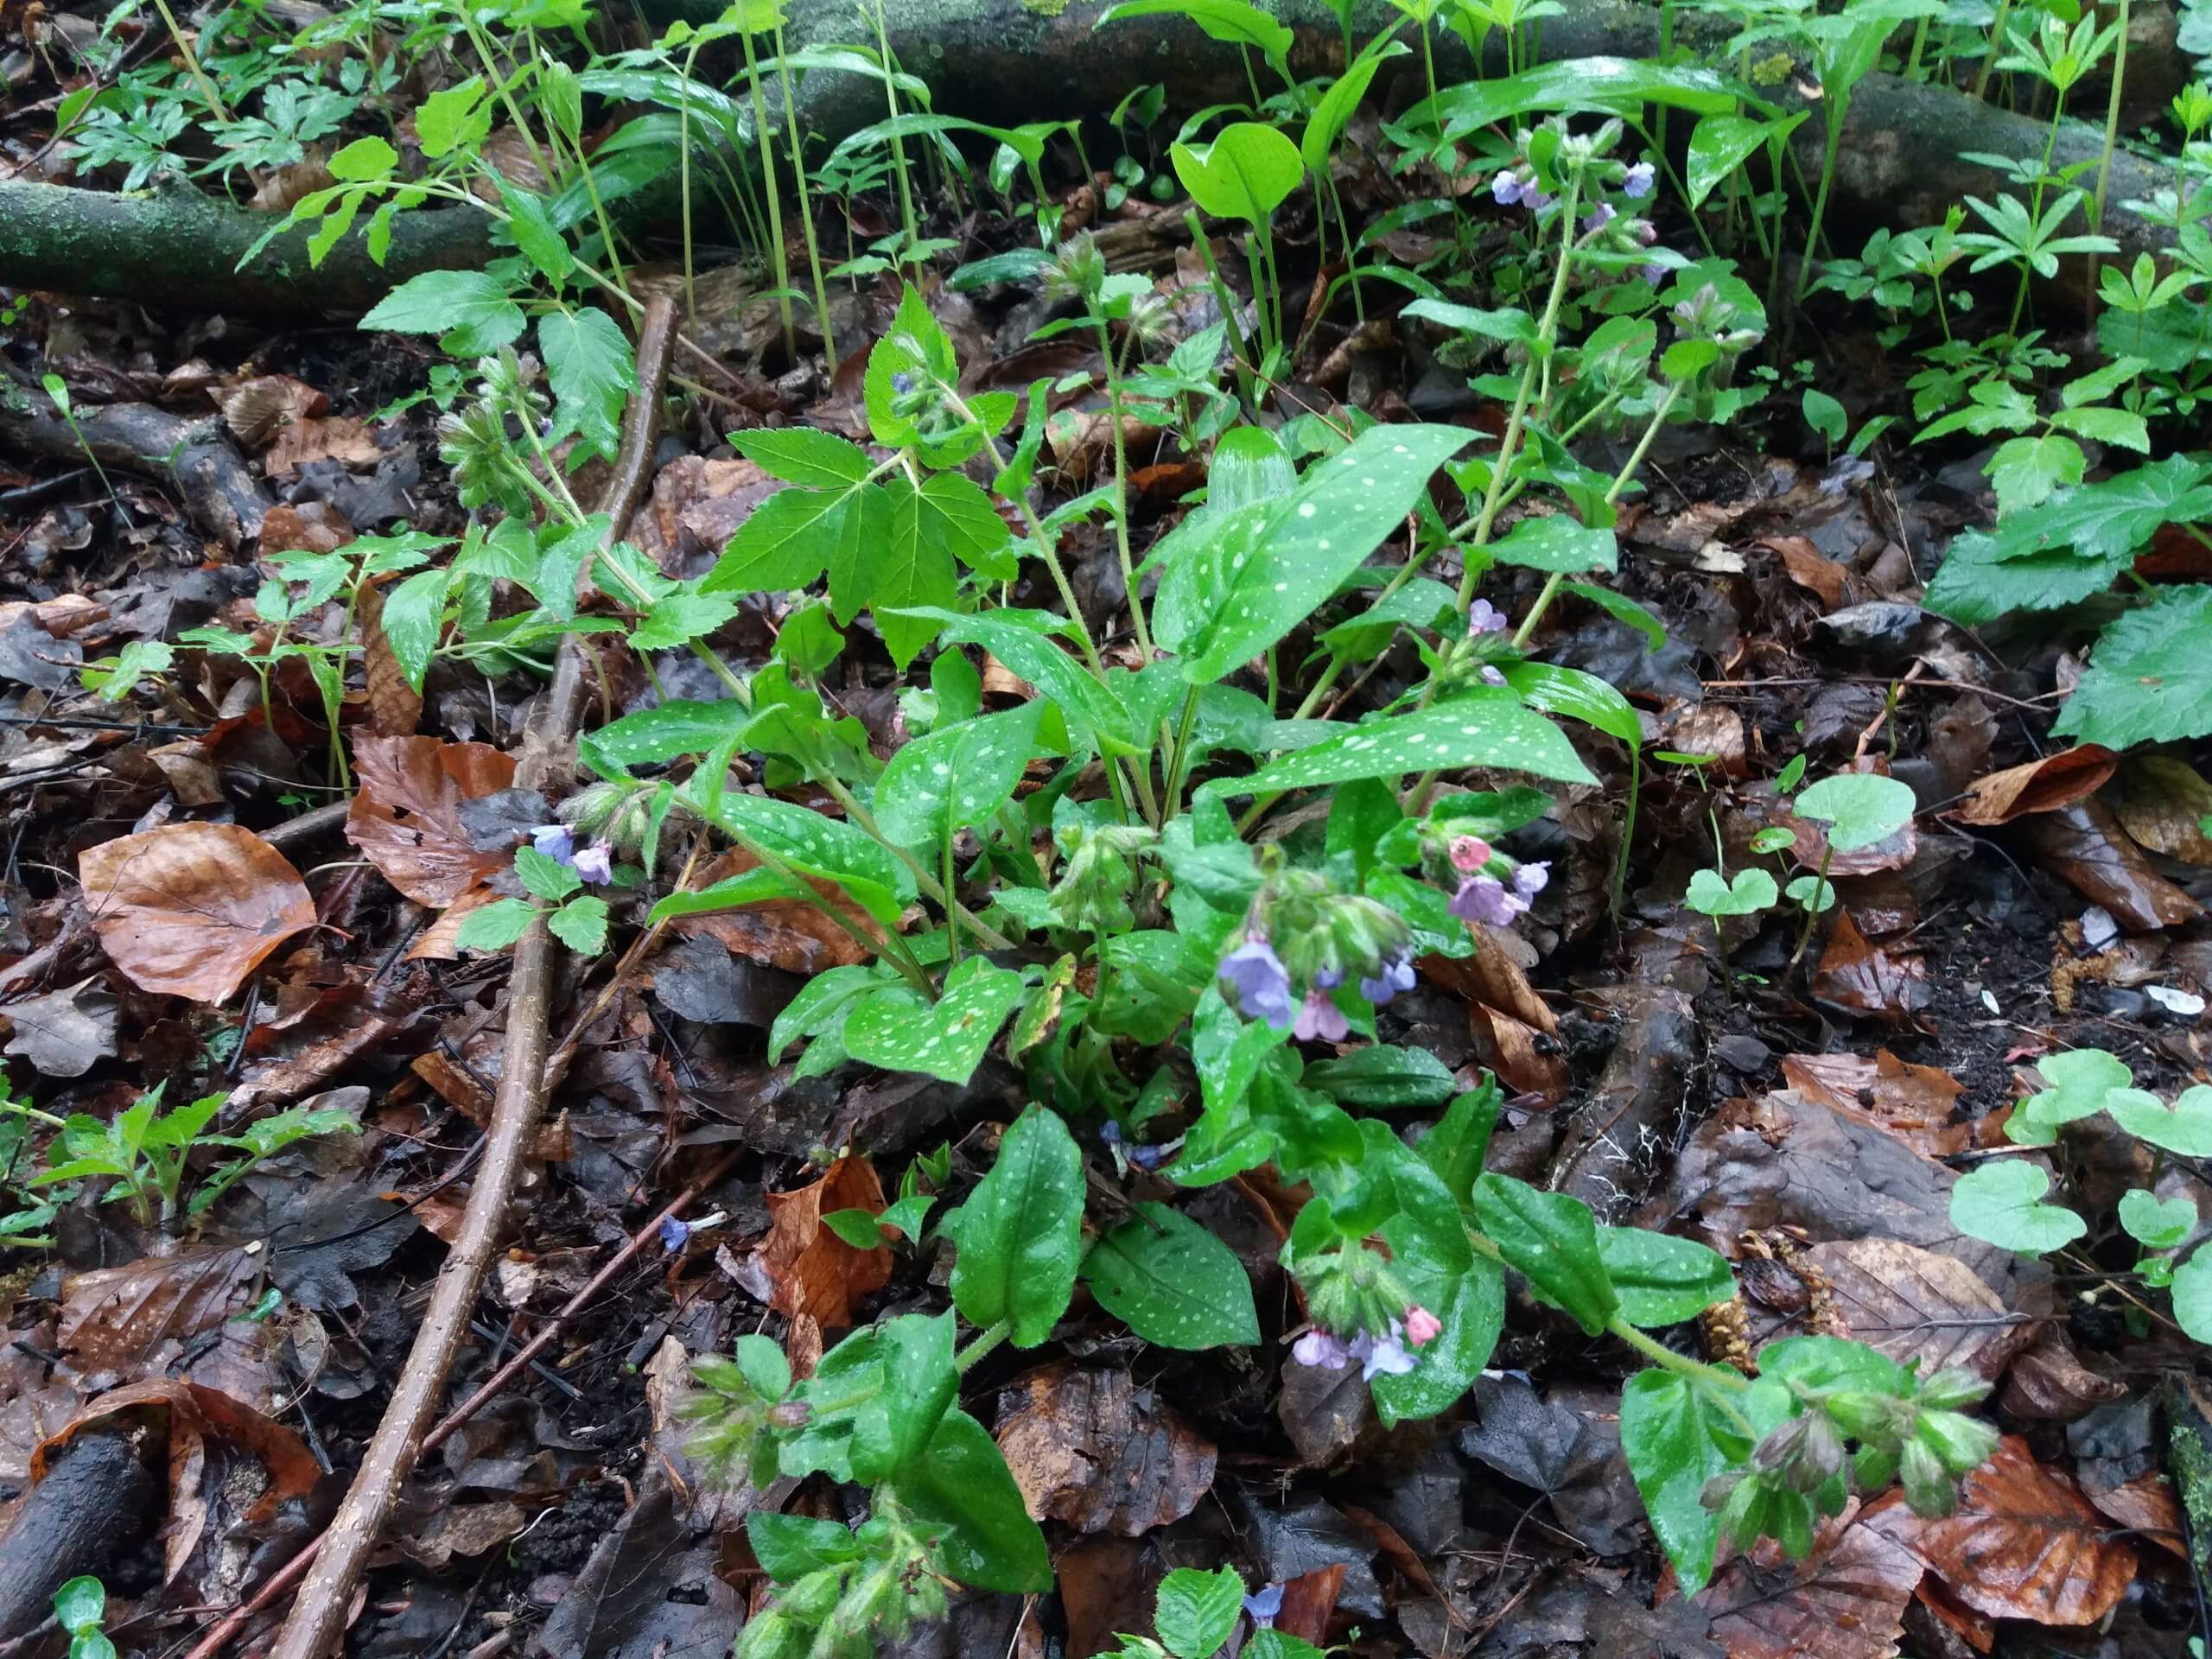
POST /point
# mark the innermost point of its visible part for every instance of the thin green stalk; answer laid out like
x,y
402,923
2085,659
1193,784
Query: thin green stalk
x,y
980,1344
806,204
1179,762
888,945
683,179
1837,109
863,820
777,249
1718,1384
897,145
1813,910
1226,302
1114,372
1996,47
2111,141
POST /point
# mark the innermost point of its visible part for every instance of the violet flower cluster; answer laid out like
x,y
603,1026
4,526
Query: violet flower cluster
x,y
1301,932
594,865
1387,1355
1483,897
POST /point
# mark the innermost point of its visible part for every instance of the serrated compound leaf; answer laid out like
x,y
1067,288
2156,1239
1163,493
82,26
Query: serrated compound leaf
x,y
908,563
1234,583
799,455
587,364
2157,1223
412,618
472,307
1557,544
1675,1442
1020,1232
581,925
1497,731
2150,676
786,542
494,926
2002,1202
1662,1280
896,1030
2184,1127
1198,1611
1172,1281
957,777
1551,1239
1859,808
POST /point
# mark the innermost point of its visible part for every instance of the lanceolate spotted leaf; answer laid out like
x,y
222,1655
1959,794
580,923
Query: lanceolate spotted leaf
x,y
1236,583
954,778
1493,730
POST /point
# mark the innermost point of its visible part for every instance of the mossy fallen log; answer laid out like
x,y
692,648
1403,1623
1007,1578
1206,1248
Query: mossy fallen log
x,y
1007,61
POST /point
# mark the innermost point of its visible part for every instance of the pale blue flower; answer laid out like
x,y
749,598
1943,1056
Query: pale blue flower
x,y
1260,982
1383,1355
1318,1017
1600,216
1264,1604
1393,975
1484,618
1485,899
1318,1348
596,863
556,841
674,1234
1505,188
1528,880
1641,177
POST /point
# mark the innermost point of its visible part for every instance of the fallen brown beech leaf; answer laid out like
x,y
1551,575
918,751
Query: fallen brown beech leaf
x,y
2146,1505
816,1273
789,934
67,1032
2024,1544
331,437
1913,1103
112,1318
231,1473
1913,1304
2084,846
1846,1600
1860,977
1094,1450
2048,1384
406,815
256,410
192,909
394,707
2042,785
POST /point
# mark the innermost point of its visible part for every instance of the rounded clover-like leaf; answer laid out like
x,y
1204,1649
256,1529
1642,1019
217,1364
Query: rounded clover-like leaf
x,y
2002,1203
1859,808
1709,894
2154,1223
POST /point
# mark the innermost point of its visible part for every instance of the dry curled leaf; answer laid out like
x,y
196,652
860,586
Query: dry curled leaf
x,y
1095,1449
2084,846
2042,785
334,437
192,909
256,410
2024,1543
789,934
406,816
815,1272
2163,804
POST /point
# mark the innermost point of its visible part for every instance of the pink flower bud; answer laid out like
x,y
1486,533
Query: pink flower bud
x,y
1469,854
1422,1326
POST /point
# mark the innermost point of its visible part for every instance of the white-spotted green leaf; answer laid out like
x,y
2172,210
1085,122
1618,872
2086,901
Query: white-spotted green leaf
x,y
1235,584
896,1030
1087,705
1494,731
1662,1280
1172,1282
1557,544
957,777
1020,1233
815,844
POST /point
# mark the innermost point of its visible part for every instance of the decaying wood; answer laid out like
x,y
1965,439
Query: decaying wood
x,y
195,458
98,1500
317,1617
1010,61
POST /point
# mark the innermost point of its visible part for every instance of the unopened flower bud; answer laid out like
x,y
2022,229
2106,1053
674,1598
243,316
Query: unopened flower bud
x,y
1864,1413
1953,1389
1927,1485
1963,1443
1781,1446
790,1414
